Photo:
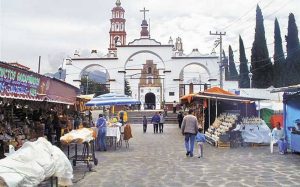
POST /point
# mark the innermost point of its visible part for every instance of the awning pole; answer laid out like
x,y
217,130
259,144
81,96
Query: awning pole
x,y
216,107
203,119
259,108
208,112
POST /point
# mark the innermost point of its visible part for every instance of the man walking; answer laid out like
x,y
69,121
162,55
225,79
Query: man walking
x,y
189,130
161,122
155,120
180,118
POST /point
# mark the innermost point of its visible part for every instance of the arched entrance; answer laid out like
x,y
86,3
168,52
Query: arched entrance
x,y
94,80
150,101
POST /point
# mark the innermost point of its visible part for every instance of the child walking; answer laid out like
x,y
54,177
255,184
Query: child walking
x,y
145,122
200,139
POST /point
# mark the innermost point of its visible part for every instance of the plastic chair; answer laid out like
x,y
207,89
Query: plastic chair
x,y
272,142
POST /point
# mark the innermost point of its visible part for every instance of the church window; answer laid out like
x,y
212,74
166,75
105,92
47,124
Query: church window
x,y
117,14
121,27
117,27
149,80
149,70
113,27
171,93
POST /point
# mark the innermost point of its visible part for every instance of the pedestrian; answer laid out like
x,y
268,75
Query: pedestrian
x,y
101,125
166,110
161,122
189,130
279,138
200,139
145,123
48,128
155,120
122,116
57,127
180,118
77,121
174,107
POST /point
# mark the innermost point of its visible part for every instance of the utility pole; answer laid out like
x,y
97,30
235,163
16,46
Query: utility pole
x,y
220,34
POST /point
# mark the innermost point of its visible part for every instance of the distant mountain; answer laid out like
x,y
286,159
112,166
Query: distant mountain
x,y
95,75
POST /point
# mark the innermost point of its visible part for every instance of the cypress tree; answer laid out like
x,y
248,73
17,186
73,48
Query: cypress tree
x,y
292,38
244,81
293,53
233,74
261,66
225,64
279,60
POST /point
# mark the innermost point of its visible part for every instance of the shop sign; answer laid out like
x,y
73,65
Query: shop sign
x,y
17,82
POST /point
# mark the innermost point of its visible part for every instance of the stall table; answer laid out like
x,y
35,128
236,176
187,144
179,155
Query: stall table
x,y
114,134
86,138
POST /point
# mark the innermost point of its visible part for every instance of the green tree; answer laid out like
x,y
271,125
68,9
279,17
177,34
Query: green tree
x,y
244,81
233,74
93,87
292,39
279,60
293,53
261,66
225,64
127,88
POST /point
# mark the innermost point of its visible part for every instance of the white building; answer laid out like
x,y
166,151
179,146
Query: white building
x,y
175,69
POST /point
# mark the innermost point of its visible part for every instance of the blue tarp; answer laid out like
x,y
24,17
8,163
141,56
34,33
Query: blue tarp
x,y
112,99
291,112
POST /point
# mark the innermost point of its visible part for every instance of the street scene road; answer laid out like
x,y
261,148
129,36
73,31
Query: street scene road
x,y
156,160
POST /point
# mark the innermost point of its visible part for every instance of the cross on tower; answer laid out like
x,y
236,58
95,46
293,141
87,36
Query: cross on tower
x,y
144,10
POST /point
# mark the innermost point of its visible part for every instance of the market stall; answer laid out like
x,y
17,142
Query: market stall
x,y
221,112
116,127
27,99
291,115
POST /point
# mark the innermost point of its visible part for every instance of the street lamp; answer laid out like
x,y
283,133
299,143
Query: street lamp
x,y
87,82
60,70
250,78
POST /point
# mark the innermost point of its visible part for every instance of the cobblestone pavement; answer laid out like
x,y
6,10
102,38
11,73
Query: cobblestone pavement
x,y
156,160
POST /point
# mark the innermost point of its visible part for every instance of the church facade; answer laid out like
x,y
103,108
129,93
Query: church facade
x,y
155,71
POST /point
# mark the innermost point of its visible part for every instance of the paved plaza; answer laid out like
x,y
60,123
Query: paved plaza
x,y
156,160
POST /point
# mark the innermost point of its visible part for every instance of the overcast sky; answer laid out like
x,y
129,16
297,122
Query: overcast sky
x,y
54,29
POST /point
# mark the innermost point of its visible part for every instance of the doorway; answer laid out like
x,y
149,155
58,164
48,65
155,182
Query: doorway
x,y
150,103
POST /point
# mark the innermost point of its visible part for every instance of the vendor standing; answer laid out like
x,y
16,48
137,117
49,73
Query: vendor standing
x,y
101,125
122,117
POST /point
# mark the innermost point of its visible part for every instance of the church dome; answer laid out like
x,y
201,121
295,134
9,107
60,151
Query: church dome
x,y
118,8
144,23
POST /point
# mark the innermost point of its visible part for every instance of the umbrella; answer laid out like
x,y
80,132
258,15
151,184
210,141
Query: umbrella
x,y
112,99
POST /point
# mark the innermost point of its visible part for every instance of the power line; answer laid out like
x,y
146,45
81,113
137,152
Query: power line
x,y
239,18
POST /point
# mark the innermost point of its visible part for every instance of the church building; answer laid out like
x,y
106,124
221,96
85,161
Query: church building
x,y
157,73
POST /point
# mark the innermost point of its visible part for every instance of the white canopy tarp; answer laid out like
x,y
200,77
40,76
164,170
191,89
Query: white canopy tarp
x,y
256,133
33,163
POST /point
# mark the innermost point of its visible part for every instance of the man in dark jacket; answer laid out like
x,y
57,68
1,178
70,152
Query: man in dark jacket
x,y
189,130
155,120
180,118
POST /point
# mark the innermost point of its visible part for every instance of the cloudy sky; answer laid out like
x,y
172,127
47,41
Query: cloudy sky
x,y
54,29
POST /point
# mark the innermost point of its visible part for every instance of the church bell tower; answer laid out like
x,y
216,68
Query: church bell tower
x,y
117,31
